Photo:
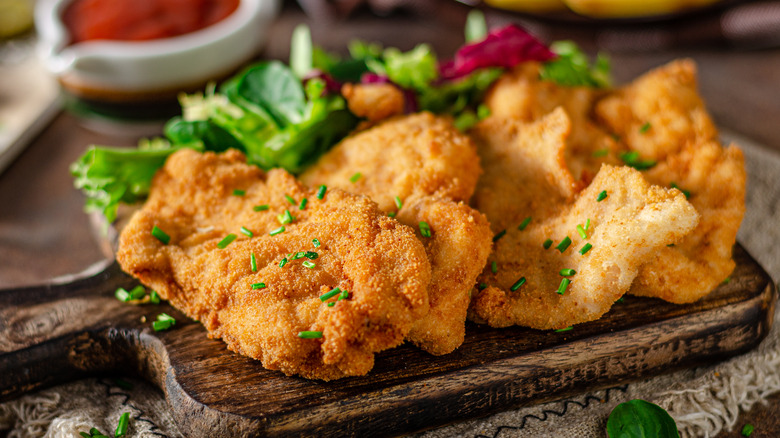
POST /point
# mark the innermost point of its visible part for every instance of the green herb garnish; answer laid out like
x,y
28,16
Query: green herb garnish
x,y
310,335
632,159
160,235
565,329
303,203
398,203
564,284
247,232
567,272
226,241
644,128
321,191
258,286
517,284
164,322
263,207
316,243
499,235
425,229
747,429
602,196
354,178
493,267
581,232
121,427
253,262
547,244
308,264
585,248
564,244
330,294
524,223
238,192
276,231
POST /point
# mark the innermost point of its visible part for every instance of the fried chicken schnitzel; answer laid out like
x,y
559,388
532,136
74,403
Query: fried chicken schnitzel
x,y
422,169
258,292
531,200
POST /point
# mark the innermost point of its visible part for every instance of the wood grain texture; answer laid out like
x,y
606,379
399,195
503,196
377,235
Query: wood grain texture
x,y
57,333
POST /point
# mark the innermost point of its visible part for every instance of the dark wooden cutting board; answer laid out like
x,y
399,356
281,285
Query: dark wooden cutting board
x,y
56,333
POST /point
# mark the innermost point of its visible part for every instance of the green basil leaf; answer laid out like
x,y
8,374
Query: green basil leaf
x,y
640,419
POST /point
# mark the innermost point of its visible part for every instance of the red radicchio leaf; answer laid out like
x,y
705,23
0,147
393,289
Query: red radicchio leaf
x,y
332,86
505,47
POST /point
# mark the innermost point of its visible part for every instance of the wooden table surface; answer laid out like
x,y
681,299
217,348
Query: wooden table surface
x,y
44,233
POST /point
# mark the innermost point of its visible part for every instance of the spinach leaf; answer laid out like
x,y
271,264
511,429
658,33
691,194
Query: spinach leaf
x,y
274,88
209,135
640,419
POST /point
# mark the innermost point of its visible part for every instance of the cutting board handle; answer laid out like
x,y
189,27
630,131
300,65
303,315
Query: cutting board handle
x,y
53,333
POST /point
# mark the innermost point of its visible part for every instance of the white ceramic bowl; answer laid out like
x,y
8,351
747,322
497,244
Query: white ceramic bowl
x,y
134,70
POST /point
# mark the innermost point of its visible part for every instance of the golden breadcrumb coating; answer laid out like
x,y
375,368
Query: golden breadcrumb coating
x,y
429,166
380,262
624,230
409,157
375,102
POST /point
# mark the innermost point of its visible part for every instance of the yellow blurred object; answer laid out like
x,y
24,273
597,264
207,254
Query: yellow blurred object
x,y
528,5
16,16
633,8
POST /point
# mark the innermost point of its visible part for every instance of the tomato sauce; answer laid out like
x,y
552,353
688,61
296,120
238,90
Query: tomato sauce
x,y
139,20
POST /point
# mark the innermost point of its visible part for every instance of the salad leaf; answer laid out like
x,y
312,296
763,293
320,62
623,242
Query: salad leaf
x,y
476,26
452,97
301,51
640,419
109,176
504,47
571,68
201,134
274,87
414,69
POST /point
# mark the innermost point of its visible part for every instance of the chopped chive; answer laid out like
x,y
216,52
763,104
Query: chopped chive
x,y
303,203
564,284
747,429
311,255
238,192
564,244
620,300
321,191
310,335
547,243
330,294
524,224
425,229
121,427
137,292
585,248
582,232
483,111
279,230
160,235
282,262
161,325
517,284
727,280
253,262
632,159
290,199
263,207
398,204
499,235
587,224
600,153
602,196
568,272
670,245
343,295
316,243
493,267
644,128
391,214
285,218
331,304
566,329
482,286
299,255
122,295
684,192
124,384
226,241
258,286
166,317
154,297
308,264
354,178
246,231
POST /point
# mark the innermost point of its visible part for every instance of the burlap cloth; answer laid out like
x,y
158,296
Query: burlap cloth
x,y
702,400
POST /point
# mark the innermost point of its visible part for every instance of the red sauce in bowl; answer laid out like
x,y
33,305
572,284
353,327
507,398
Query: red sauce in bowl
x,y
139,20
